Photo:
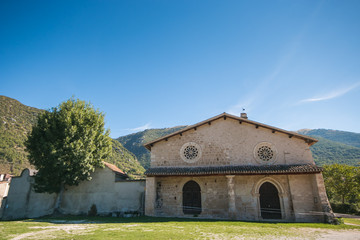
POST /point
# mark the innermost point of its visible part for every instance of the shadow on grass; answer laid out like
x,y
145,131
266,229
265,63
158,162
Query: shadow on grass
x,y
70,219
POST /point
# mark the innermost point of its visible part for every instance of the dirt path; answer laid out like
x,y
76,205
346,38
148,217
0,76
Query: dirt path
x,y
48,230
339,234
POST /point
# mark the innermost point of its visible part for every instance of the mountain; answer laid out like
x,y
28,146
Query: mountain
x,y
126,161
334,146
328,152
134,142
16,121
348,138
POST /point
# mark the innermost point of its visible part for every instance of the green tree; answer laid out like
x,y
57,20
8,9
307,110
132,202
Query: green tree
x,y
341,182
66,145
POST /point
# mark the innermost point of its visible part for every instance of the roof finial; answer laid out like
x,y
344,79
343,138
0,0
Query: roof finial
x,y
243,114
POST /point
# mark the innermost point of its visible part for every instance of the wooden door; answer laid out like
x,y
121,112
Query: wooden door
x,y
191,198
269,202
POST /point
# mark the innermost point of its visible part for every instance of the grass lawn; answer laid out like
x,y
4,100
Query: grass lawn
x,y
352,221
160,228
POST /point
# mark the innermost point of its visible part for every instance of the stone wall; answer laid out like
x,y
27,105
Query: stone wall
x,y
23,202
110,197
226,142
237,197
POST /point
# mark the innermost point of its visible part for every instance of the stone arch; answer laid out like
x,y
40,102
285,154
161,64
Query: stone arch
x,y
280,192
191,198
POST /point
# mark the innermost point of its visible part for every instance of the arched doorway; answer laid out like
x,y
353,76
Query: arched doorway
x,y
269,201
191,198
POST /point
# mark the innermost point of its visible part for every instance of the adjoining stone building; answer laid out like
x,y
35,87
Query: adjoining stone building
x,y
229,167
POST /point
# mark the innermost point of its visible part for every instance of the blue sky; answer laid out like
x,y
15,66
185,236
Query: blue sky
x,y
155,64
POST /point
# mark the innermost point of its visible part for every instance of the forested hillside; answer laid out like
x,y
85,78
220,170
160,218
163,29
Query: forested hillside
x,y
134,142
16,121
334,146
348,138
126,161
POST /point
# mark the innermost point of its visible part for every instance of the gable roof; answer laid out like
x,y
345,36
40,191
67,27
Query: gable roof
x,y
115,169
309,140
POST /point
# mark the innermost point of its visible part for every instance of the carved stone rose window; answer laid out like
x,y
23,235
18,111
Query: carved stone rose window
x,y
190,152
265,152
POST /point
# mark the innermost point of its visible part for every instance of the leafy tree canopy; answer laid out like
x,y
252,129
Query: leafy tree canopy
x,y
342,182
67,144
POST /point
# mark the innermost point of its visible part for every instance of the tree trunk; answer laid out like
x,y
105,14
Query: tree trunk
x,y
343,199
57,209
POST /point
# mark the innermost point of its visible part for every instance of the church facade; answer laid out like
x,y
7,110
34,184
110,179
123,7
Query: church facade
x,y
229,167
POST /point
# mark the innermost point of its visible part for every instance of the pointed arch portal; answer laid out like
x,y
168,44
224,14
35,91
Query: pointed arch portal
x,y
269,201
191,198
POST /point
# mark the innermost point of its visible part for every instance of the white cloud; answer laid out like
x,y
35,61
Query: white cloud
x,y
331,95
260,91
141,128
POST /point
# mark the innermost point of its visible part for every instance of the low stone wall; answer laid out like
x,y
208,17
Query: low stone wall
x,y
110,197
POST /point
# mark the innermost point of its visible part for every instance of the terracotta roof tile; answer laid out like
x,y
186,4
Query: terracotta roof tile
x,y
114,168
235,170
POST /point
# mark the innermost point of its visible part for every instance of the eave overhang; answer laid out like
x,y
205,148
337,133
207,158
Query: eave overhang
x,y
234,170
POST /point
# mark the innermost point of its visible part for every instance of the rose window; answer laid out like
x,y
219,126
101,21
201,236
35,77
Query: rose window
x,y
191,152
265,153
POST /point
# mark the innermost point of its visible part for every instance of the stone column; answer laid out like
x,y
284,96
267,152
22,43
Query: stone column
x,y
231,196
150,195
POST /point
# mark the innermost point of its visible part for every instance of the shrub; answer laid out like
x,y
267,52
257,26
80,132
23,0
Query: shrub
x,y
93,211
348,208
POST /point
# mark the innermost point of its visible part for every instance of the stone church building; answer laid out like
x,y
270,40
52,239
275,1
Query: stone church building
x,y
230,167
